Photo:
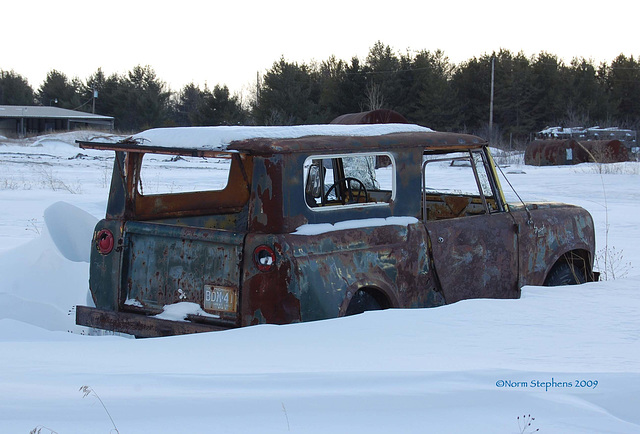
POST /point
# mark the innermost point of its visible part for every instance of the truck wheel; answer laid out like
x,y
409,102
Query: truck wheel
x,y
362,301
564,273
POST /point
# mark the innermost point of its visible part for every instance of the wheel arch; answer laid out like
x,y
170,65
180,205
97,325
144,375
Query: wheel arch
x,y
581,258
385,297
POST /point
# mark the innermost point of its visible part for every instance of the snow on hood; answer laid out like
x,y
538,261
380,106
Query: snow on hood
x,y
218,138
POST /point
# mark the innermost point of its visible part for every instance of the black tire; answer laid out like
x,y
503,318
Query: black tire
x,y
564,273
361,302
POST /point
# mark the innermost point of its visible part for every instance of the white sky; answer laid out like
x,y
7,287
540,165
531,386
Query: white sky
x,y
228,43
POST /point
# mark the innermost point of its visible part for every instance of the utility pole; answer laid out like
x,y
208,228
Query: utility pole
x,y
493,69
257,87
95,95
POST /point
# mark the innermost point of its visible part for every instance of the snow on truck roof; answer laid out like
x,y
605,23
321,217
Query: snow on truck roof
x,y
219,138
204,141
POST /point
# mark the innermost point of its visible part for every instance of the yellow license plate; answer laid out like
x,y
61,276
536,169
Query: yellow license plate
x,y
220,298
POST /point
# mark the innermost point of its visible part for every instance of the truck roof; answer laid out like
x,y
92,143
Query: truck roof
x,y
225,140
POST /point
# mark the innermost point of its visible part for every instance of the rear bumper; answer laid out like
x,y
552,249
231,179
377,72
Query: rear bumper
x,y
139,325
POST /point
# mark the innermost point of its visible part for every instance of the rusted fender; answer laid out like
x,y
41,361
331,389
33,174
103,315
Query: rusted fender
x,y
552,231
324,271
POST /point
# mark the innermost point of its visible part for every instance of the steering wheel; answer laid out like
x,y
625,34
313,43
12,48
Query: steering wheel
x,y
351,195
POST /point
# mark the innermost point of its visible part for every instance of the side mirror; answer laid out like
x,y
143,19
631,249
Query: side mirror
x,y
314,182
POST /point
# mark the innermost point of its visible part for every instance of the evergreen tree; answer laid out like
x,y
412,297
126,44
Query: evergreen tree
x,y
429,97
471,83
352,89
143,100
109,100
384,85
219,107
623,86
332,73
14,89
196,107
57,90
549,91
190,99
289,95
104,102
513,90
585,96
530,93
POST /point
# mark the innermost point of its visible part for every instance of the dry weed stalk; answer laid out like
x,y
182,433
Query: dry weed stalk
x,y
87,390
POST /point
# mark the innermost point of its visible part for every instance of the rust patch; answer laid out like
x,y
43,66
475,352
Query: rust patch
x,y
269,299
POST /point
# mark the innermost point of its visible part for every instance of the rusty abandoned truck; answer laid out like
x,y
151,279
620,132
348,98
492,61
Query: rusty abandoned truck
x,y
317,222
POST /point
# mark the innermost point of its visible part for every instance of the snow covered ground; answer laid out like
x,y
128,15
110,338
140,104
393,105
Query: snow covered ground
x,y
567,356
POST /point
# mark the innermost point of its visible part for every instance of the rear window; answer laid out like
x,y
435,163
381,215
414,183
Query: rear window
x,y
165,174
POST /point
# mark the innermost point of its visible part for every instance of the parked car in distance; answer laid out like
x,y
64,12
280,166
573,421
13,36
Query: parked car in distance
x,y
288,224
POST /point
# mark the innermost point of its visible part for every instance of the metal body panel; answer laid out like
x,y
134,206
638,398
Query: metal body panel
x,y
105,270
395,142
475,256
139,325
166,264
547,233
316,275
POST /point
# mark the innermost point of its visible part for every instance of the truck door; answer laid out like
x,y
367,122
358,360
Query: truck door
x,y
473,241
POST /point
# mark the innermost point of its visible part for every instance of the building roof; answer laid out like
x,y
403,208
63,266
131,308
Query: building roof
x,y
31,111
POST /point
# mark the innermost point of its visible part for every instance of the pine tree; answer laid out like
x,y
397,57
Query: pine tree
x,y
289,95
57,90
14,89
623,86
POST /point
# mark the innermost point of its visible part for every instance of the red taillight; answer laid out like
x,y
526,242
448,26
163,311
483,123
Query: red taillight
x,y
264,258
104,241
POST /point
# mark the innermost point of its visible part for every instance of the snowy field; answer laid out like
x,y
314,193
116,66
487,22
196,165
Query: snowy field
x,y
567,356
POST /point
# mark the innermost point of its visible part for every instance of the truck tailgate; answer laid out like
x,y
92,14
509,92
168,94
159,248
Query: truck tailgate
x,y
166,264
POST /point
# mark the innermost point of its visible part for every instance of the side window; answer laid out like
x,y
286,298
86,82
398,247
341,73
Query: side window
x,y
457,184
349,180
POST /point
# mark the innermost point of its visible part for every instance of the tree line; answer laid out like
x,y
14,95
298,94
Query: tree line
x,y
530,92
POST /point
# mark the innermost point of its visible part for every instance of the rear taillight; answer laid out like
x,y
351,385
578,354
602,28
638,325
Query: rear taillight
x,y
264,258
104,241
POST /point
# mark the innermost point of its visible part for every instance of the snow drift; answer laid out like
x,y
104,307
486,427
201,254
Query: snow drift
x,y
569,356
